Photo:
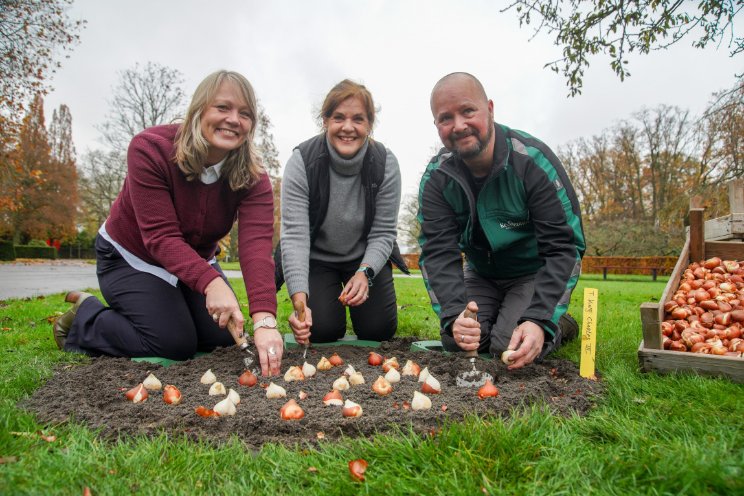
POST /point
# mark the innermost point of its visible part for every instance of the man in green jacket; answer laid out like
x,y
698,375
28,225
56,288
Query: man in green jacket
x,y
502,198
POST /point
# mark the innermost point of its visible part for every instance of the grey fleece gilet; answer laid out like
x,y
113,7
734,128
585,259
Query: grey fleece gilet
x,y
340,237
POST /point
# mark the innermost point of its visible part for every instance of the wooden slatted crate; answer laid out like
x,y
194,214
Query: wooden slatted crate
x,y
651,355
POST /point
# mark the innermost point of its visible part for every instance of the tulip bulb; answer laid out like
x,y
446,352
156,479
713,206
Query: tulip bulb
x,y
341,384
382,387
488,390
393,376
431,385
208,377
294,373
356,378
420,401
351,409
137,394
248,379
217,389
291,411
225,408
171,395
357,469
423,374
349,370
375,359
324,364
333,398
302,395
390,363
308,370
274,391
205,412
336,360
233,396
411,368
152,383
505,356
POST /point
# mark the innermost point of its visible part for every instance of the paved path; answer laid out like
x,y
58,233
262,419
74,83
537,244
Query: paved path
x,y
25,280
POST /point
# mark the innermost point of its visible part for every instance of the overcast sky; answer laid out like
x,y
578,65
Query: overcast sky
x,y
293,52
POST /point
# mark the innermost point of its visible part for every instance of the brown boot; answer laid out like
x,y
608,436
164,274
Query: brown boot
x,y
63,323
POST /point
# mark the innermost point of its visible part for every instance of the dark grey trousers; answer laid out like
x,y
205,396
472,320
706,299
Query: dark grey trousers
x,y
376,319
147,316
501,303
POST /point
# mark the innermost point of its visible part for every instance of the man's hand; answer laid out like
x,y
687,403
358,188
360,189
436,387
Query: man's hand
x,y
527,340
301,329
466,330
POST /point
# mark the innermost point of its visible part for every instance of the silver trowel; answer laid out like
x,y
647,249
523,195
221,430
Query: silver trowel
x,y
299,308
242,342
472,378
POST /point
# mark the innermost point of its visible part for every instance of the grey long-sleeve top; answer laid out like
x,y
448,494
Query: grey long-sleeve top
x,y
340,237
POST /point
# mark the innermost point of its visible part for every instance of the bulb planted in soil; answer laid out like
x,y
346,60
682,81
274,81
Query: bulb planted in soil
x,y
333,398
291,411
171,395
137,394
248,379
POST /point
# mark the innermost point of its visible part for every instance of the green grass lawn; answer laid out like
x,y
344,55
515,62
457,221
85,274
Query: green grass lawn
x,y
650,434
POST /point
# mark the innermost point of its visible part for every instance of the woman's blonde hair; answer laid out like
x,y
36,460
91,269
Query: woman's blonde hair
x,y
243,166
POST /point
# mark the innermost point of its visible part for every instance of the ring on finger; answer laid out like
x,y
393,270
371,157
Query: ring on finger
x,y
215,316
462,338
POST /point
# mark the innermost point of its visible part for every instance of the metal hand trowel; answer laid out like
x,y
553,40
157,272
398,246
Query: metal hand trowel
x,y
472,378
240,340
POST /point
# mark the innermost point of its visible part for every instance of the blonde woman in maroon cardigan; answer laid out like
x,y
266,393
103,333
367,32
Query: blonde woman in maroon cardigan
x,y
185,185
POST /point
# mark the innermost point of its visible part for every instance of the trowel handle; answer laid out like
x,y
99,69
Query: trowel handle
x,y
473,315
237,335
299,307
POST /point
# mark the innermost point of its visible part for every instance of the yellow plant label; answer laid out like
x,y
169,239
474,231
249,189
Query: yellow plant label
x,y
589,333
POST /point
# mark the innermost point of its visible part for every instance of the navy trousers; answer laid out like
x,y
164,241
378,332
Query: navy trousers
x,y
146,317
376,319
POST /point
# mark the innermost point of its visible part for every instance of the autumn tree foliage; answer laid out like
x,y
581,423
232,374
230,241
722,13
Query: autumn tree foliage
x,y
32,34
42,180
635,179
618,28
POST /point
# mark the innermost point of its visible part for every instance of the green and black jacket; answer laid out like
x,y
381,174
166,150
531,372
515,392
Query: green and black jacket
x,y
529,214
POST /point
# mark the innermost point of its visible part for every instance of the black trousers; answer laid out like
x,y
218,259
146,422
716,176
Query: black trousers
x,y
147,316
376,319
501,303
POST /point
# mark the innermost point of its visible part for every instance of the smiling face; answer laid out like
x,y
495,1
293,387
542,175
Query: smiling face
x,y
348,127
226,122
464,119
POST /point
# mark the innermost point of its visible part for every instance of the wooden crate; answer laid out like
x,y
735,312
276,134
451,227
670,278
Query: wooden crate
x,y
651,355
729,227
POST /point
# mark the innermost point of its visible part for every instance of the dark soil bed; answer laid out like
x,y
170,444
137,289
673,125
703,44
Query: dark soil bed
x,y
93,394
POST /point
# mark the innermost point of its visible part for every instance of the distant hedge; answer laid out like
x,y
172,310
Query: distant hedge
x,y
7,252
25,251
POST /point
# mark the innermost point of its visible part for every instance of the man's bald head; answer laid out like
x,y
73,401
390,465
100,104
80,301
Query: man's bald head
x,y
459,78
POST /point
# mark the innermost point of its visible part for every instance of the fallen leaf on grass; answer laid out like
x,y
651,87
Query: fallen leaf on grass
x,y
48,438
8,459
312,470
320,435
86,491
7,329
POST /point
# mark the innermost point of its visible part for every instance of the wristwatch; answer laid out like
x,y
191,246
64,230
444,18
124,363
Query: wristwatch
x,y
367,272
268,322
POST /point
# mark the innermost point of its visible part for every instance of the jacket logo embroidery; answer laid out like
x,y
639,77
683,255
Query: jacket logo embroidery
x,y
511,224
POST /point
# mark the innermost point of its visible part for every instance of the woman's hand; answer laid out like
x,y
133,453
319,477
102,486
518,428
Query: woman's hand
x,y
466,330
222,304
356,290
301,328
269,346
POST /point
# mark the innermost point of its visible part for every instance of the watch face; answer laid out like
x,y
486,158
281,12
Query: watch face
x,y
270,321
